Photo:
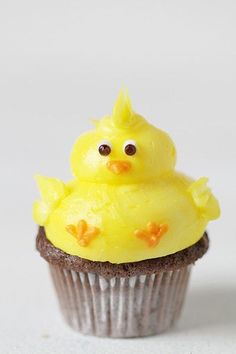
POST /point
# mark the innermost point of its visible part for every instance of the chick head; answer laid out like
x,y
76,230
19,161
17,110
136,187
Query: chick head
x,y
122,149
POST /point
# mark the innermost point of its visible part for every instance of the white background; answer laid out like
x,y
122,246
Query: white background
x,y
62,63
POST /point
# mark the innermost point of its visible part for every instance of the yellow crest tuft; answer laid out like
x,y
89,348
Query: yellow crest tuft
x,y
122,115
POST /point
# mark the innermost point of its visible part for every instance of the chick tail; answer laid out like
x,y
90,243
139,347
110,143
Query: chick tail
x,y
52,191
204,200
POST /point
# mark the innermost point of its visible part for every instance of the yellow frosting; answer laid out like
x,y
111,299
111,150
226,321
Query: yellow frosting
x,y
124,208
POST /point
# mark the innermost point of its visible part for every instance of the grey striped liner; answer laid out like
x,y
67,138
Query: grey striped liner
x,y
120,307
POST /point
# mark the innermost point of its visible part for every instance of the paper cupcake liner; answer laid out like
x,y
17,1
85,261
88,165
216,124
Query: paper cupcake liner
x,y
120,307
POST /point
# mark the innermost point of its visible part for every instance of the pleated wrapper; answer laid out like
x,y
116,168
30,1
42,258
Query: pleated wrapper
x,y
136,306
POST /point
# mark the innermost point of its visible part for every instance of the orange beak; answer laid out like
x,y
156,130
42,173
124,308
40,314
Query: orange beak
x,y
118,167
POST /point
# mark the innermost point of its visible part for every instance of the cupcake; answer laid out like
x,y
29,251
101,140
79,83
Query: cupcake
x,y
122,236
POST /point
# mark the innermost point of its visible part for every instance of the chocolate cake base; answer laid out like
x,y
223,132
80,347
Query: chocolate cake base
x,y
108,270
120,300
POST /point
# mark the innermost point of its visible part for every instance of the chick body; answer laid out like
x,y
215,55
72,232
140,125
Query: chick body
x,y
110,209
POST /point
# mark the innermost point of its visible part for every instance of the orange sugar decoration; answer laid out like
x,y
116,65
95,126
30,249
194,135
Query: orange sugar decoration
x,y
83,232
152,234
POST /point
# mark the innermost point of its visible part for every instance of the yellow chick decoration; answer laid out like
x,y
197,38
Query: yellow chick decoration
x,y
126,202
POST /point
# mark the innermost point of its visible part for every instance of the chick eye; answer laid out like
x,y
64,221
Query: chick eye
x,y
104,148
130,148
